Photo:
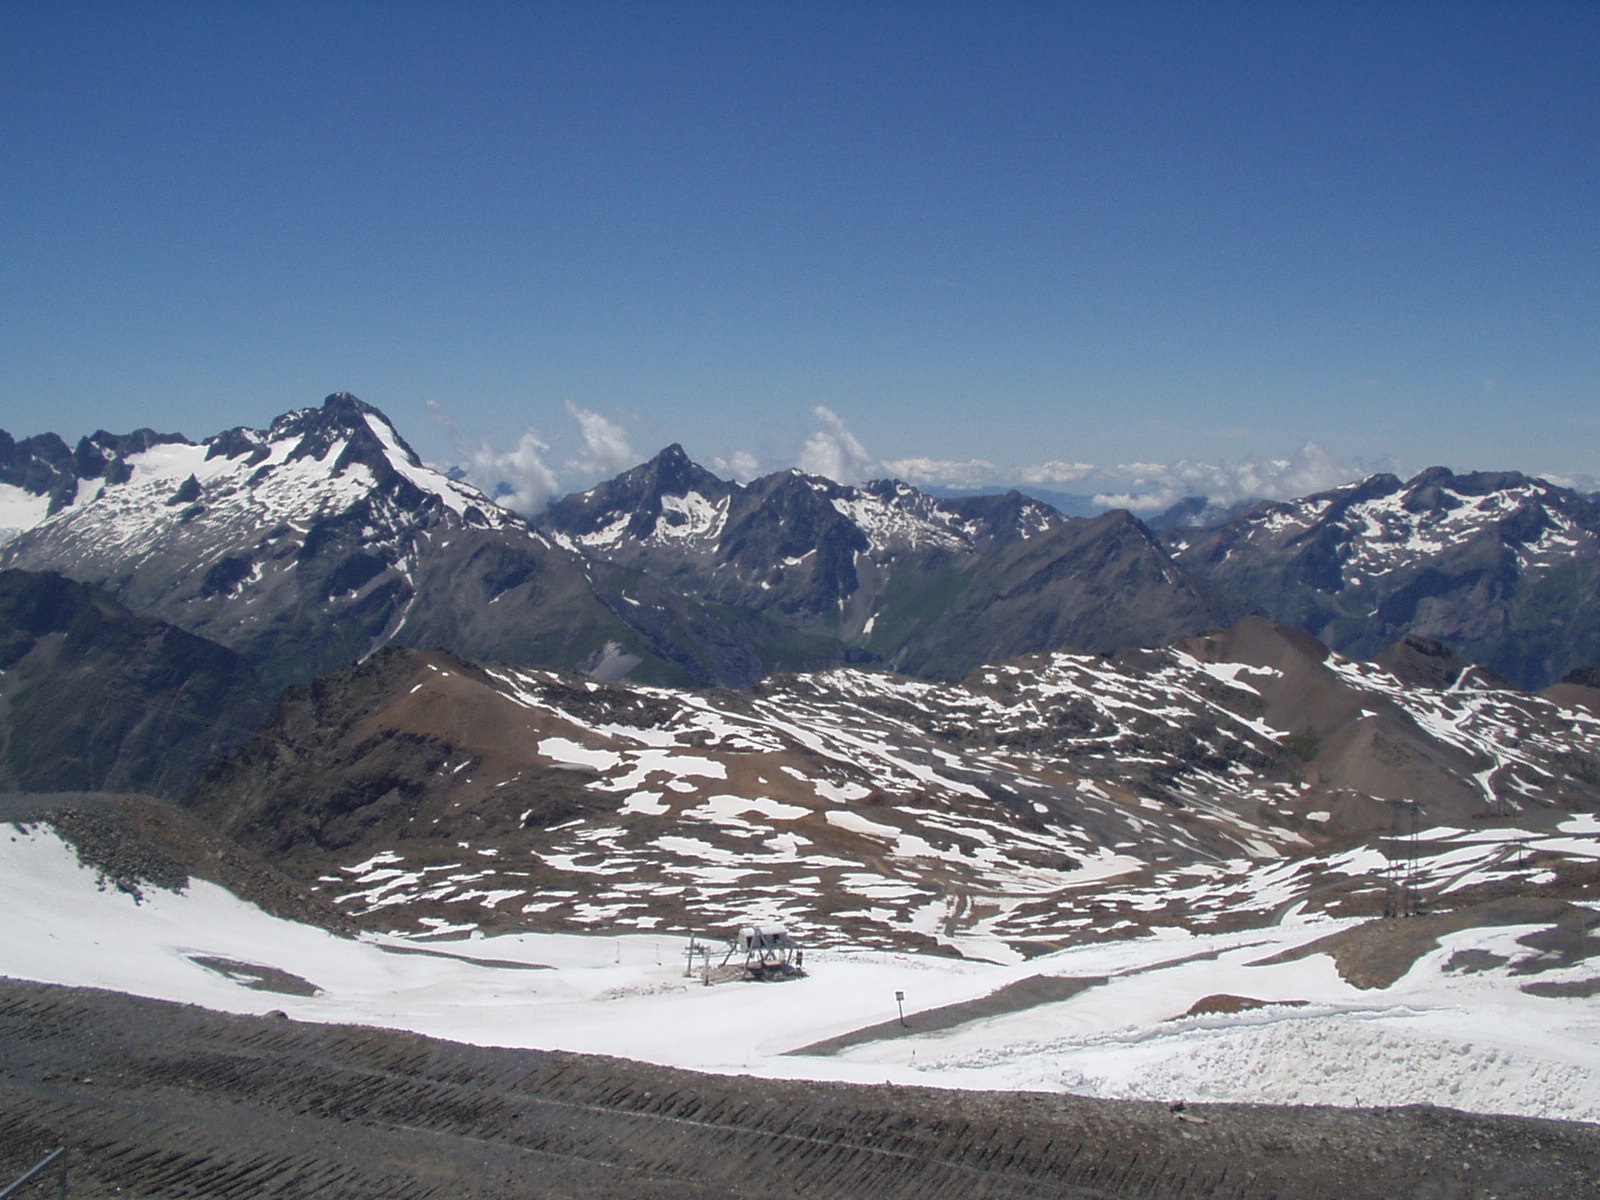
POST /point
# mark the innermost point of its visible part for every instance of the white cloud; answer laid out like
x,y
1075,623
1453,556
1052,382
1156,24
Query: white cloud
x,y
517,479
522,479
1143,502
935,472
1152,487
740,465
1056,472
606,450
833,451
1578,483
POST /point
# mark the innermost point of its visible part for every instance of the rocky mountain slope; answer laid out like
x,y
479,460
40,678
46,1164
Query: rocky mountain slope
x,y
1059,797
1503,568
93,697
887,573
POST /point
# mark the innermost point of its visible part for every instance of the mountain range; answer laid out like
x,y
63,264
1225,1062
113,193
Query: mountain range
x,y
310,544
1503,568
161,592
303,546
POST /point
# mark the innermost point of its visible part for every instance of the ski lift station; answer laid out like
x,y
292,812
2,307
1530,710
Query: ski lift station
x,y
759,952
769,952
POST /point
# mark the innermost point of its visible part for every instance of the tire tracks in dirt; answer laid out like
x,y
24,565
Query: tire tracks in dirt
x,y
167,1101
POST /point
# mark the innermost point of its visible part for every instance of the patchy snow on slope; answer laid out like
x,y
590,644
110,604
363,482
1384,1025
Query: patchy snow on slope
x,y
1039,803
888,525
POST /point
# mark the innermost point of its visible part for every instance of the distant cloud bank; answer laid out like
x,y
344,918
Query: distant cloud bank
x,y
522,479
833,451
940,472
1055,473
1153,487
518,478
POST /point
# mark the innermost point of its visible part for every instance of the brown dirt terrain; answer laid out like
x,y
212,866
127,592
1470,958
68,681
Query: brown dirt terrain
x,y
159,1100
1378,953
1227,1002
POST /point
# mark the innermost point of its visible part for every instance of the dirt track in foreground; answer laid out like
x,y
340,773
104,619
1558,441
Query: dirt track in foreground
x,y
163,1100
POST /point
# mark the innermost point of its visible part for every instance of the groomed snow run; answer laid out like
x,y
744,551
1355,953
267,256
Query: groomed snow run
x,y
1473,1041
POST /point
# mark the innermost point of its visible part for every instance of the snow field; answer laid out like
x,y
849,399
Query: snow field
x,y
1470,1041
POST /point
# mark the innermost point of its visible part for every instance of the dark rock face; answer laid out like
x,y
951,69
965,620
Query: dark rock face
x,y
1500,567
94,698
1093,584
41,465
789,540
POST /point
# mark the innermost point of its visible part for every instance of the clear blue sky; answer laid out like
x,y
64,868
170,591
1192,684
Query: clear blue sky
x,y
1098,233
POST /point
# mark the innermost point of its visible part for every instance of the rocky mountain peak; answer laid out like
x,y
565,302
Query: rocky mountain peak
x,y
1441,489
641,500
39,466
360,433
672,458
1422,662
106,455
346,403
299,544
1123,528
673,473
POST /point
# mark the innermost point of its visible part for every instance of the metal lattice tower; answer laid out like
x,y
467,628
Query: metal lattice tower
x,y
1400,877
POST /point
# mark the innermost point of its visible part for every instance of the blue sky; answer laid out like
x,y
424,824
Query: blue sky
x,y
1130,240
